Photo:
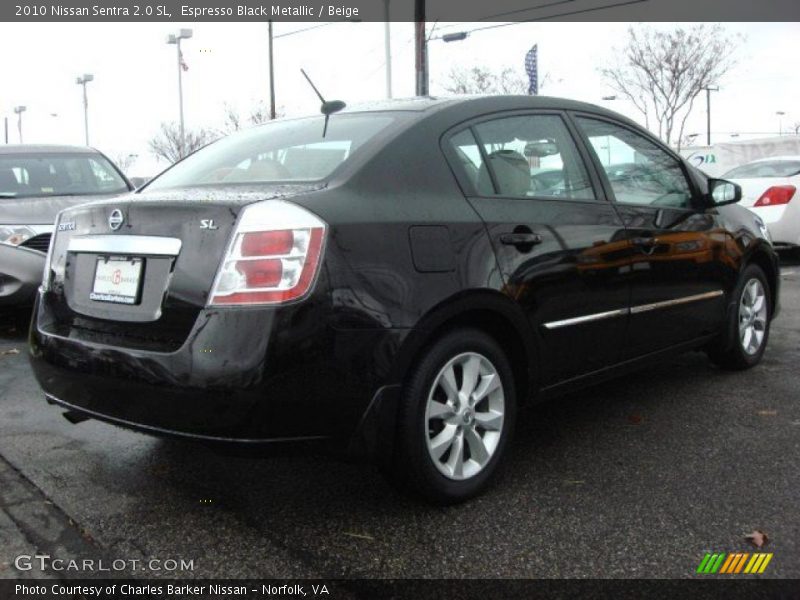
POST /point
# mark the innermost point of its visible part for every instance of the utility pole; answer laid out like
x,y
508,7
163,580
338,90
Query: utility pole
x,y
708,90
271,75
387,35
5,122
421,48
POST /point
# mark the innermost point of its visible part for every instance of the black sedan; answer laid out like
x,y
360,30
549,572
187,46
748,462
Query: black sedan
x,y
392,280
36,182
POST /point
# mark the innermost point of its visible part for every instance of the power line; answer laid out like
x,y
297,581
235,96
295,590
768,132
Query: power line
x,y
564,14
528,9
304,29
556,16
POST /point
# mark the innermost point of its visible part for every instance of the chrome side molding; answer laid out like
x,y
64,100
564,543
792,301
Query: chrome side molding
x,y
632,310
586,318
667,303
141,245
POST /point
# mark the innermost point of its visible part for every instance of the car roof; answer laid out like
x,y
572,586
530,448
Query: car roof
x,y
482,102
45,149
468,106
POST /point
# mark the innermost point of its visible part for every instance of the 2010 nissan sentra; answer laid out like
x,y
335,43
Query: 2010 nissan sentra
x,y
399,285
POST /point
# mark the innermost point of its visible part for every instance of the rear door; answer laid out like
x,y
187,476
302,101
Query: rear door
x,y
556,238
680,256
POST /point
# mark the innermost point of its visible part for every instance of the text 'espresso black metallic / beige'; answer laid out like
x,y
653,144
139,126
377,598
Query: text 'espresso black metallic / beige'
x,y
399,285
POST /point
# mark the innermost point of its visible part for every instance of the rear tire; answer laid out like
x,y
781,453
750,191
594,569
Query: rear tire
x,y
457,414
746,334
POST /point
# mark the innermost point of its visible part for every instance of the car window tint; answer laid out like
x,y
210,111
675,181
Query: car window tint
x,y
638,170
532,156
280,151
469,157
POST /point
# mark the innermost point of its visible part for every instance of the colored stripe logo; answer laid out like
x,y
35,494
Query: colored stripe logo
x,y
734,563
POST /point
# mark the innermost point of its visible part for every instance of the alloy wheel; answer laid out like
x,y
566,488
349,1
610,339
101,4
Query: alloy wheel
x,y
464,416
752,316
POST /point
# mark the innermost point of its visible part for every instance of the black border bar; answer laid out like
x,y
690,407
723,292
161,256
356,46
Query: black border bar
x,y
399,10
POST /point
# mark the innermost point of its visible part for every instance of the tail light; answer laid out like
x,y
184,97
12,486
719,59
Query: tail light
x,y
273,256
777,194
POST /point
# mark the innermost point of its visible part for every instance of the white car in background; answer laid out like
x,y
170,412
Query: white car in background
x,y
769,189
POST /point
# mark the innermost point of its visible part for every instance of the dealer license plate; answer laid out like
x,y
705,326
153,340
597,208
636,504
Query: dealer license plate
x,y
117,280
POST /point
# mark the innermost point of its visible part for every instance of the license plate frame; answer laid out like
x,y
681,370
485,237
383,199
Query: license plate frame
x,y
117,280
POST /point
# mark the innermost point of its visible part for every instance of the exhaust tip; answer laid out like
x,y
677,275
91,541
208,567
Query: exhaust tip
x,y
74,417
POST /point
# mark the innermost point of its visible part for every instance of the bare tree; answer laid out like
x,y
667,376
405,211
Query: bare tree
x,y
481,80
167,143
234,121
662,72
125,161
260,113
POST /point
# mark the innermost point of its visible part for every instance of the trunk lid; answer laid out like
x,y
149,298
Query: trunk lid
x,y
137,270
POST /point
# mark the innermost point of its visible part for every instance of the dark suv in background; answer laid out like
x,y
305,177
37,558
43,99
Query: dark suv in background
x,y
398,279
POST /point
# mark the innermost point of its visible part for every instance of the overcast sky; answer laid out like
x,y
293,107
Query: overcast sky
x,y
135,86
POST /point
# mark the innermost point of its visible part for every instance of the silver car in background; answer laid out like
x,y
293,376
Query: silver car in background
x,y
36,183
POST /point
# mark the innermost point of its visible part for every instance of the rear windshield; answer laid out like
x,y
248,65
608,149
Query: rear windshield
x,y
284,151
766,168
28,175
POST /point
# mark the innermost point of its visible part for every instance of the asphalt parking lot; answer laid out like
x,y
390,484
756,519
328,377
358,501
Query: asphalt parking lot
x,y
636,478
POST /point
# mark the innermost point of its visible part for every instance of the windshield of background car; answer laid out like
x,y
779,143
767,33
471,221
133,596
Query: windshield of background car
x,y
766,168
284,151
28,175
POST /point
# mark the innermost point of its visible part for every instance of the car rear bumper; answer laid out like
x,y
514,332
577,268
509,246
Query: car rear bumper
x,y
20,274
251,375
783,222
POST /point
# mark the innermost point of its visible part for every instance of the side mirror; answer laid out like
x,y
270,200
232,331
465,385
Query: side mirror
x,y
721,192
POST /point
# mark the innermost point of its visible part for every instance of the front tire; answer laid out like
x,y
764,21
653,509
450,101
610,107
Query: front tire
x,y
457,414
747,330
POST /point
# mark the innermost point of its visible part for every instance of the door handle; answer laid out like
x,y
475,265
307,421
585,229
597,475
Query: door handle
x,y
520,239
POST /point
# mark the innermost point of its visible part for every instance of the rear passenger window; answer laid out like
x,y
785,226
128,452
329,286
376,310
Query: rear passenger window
x,y
529,156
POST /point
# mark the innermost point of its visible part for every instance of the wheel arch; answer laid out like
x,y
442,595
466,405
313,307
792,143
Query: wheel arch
x,y
764,257
489,311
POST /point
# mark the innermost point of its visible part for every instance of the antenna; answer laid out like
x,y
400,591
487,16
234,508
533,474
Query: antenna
x,y
328,107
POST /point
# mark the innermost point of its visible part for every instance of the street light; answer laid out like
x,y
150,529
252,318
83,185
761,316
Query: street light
x,y
609,98
87,77
19,110
708,90
422,39
455,37
780,114
183,34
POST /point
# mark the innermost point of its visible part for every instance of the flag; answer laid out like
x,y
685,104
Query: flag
x,y
184,66
532,68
